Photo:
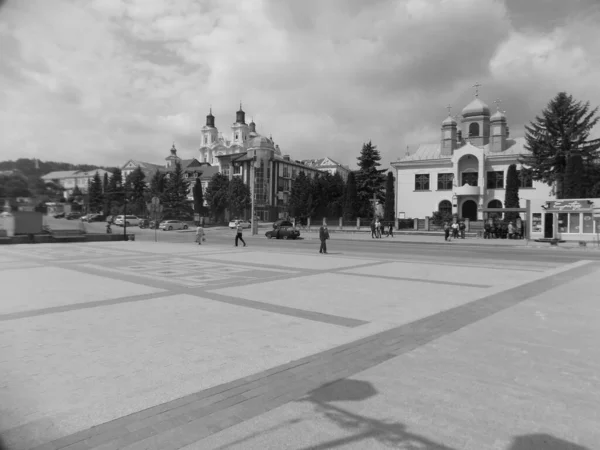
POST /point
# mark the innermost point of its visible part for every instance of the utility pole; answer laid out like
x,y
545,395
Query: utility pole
x,y
252,175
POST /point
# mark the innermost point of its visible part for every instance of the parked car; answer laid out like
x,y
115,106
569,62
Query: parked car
x,y
244,223
72,216
96,218
283,233
131,221
173,225
59,215
282,223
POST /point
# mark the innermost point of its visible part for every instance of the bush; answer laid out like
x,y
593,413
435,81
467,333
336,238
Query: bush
x,y
438,218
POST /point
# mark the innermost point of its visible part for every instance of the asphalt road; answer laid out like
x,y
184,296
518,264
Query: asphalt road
x,y
392,248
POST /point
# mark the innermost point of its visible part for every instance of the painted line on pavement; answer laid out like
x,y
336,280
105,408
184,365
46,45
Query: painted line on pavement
x,y
191,418
418,280
86,305
284,310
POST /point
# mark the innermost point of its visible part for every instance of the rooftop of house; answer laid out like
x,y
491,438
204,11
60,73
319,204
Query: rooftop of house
x,y
515,147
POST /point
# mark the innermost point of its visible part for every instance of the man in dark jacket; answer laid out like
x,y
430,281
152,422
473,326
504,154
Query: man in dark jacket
x,y
373,230
323,236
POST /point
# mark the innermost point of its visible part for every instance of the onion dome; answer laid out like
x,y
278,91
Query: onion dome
x,y
498,117
449,121
210,119
476,108
260,141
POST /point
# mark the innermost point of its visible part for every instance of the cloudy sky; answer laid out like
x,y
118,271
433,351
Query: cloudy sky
x,y
102,81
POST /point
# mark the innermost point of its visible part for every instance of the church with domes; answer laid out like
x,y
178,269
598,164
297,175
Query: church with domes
x,y
465,171
244,149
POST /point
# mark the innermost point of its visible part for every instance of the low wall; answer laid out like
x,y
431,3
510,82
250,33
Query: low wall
x,y
47,239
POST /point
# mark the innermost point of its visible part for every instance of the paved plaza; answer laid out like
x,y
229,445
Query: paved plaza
x,y
143,345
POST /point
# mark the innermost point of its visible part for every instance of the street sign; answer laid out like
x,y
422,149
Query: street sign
x,y
155,201
596,212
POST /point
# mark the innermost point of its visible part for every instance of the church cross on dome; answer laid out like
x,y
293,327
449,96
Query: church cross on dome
x,y
477,85
497,102
449,108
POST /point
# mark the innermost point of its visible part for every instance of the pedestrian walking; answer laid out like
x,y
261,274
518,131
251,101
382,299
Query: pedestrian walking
x,y
462,228
238,235
377,229
382,229
200,234
446,231
391,229
455,230
323,236
373,232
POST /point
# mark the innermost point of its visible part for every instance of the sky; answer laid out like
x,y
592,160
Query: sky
x,y
105,81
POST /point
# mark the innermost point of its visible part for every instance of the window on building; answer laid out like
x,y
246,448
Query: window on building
x,y
563,222
293,173
237,169
495,180
422,182
474,130
280,185
206,139
574,223
525,179
445,181
470,178
225,170
237,136
286,171
445,207
588,223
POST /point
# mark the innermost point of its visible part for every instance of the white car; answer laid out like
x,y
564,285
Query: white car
x,y
131,221
173,225
244,223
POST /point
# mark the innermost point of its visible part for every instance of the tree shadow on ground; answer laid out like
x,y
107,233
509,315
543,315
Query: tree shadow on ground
x,y
395,434
390,433
542,442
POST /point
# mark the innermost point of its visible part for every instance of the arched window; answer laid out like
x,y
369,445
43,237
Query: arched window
x,y
474,129
445,207
495,204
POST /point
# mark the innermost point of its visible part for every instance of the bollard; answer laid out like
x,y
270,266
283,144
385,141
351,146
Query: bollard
x,y
426,223
341,223
358,223
308,224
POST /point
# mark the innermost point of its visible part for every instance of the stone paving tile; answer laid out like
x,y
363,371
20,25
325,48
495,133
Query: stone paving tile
x,y
261,392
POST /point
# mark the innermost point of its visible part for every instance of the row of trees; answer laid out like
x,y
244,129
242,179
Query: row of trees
x,y
327,195
224,194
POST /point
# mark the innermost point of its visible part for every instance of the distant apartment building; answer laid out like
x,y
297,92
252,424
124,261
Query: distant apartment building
x,y
327,165
68,179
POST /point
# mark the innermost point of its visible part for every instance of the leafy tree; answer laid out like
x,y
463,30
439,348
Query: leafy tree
x,y
335,194
14,185
573,179
299,196
369,179
239,197
351,205
115,195
511,194
96,197
198,198
217,195
105,182
157,184
174,198
136,190
76,195
563,128
390,200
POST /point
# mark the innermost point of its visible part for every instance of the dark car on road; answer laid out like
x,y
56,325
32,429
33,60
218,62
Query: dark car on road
x,y
59,215
73,216
283,233
282,223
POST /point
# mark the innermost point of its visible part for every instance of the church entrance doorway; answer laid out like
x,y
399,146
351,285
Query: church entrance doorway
x,y
469,210
549,225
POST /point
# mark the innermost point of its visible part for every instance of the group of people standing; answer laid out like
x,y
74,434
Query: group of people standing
x,y
454,230
378,229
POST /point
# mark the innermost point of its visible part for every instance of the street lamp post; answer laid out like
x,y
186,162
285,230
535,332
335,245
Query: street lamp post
x,y
253,182
119,185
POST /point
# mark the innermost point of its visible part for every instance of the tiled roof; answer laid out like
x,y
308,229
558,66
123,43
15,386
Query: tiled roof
x,y
208,172
320,162
60,174
426,152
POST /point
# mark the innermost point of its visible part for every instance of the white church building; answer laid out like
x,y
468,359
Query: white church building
x,y
466,170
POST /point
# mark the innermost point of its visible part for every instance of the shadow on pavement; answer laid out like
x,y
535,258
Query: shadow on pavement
x,y
542,442
395,434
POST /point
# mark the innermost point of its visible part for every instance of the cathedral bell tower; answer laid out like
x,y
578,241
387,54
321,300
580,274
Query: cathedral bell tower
x,y
499,130
448,142
239,129
209,131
